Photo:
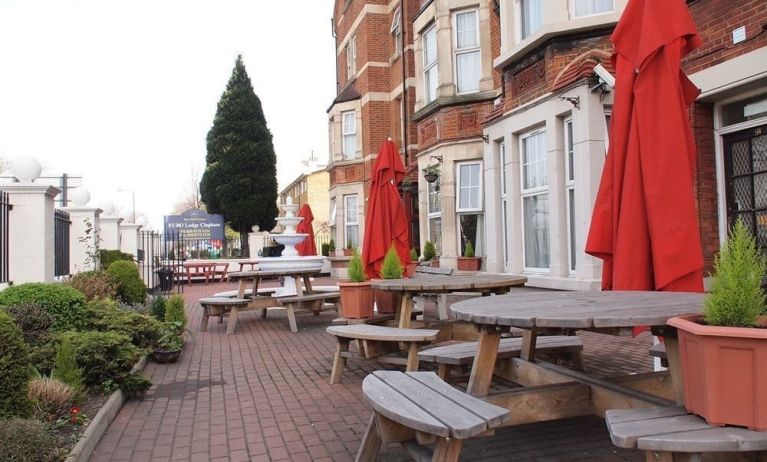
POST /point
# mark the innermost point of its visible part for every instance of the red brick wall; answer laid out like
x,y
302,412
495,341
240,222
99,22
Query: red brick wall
x,y
702,122
452,124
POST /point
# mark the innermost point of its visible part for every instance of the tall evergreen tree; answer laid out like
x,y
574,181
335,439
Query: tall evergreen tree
x,y
240,179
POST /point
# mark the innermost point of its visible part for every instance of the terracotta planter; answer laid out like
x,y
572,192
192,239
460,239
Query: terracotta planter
x,y
435,263
469,263
410,269
387,301
724,374
348,252
356,299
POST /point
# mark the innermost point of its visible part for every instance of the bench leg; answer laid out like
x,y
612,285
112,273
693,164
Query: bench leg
x,y
204,322
263,313
339,361
371,443
232,321
447,450
292,317
665,456
444,371
580,365
412,358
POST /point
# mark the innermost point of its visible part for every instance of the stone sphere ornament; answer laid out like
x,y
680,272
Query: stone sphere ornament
x,y
26,169
107,208
80,196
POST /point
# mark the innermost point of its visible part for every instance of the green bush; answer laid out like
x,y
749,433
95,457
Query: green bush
x,y
158,308
130,288
14,369
104,316
332,245
737,298
325,249
94,284
468,250
429,251
135,385
65,367
43,357
35,323
174,311
26,440
63,303
413,254
356,269
106,358
391,268
107,257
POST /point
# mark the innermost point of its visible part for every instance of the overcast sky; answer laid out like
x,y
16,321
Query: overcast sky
x,y
124,92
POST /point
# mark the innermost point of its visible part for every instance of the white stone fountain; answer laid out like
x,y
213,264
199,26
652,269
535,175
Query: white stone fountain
x,y
290,260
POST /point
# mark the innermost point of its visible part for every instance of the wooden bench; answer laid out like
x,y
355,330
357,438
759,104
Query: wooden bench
x,y
219,306
248,292
418,408
659,351
220,269
370,337
462,354
420,269
311,302
670,434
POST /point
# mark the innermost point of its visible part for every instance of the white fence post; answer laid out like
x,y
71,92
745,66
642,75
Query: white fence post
x,y
129,238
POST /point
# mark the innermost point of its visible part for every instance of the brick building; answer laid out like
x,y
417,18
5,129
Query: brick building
x,y
311,187
375,99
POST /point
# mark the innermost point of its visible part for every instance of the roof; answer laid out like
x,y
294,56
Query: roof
x,y
348,93
582,67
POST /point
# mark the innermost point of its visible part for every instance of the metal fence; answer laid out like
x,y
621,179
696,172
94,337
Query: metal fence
x,y
61,224
5,209
158,261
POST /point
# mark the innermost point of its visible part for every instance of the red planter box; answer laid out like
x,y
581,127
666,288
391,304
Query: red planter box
x,y
387,301
724,371
356,299
468,263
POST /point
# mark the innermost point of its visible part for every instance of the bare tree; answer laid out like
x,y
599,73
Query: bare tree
x,y
190,198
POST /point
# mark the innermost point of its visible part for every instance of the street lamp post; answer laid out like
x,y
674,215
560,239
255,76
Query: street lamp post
x,y
133,203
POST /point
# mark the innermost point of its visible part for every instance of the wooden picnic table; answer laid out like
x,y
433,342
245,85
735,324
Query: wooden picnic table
x,y
254,278
197,268
550,391
486,284
252,264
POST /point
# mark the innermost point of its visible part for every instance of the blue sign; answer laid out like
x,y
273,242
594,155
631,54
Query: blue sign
x,y
196,225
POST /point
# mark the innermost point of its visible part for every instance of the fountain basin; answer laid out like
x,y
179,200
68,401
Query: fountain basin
x,y
290,263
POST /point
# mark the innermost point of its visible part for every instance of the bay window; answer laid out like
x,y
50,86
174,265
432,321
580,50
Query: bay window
x,y
430,74
467,52
349,122
531,14
535,200
469,206
570,193
591,7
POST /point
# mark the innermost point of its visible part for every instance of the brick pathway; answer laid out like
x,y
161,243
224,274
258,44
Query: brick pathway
x,y
263,394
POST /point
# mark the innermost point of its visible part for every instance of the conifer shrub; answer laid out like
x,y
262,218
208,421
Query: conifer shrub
x,y
105,316
429,251
332,245
65,366
65,304
325,249
413,254
26,440
108,256
14,369
356,270
174,311
35,323
130,288
106,358
737,298
468,250
391,268
158,308
94,284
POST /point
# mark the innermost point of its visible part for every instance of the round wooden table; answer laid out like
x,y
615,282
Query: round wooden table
x,y
486,284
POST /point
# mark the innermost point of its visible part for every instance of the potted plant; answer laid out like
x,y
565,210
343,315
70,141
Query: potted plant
x,y
410,270
391,268
356,295
349,249
469,262
723,351
332,247
169,345
430,254
431,173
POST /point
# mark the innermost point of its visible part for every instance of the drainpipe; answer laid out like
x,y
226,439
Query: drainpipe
x,y
404,80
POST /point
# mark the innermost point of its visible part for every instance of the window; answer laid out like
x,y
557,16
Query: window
x,y
532,16
467,54
469,208
535,200
350,134
434,209
351,223
396,30
590,7
351,58
504,206
570,192
430,64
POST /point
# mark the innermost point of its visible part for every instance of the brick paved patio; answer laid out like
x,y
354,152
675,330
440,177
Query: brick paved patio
x,y
263,394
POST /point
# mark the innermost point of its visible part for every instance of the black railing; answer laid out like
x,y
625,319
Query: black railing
x,y
5,209
61,224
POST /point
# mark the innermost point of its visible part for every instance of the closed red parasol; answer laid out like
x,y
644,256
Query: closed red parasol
x,y
385,221
645,225
307,247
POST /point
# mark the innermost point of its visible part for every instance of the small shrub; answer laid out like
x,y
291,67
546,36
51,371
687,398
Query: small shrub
x,y
391,268
104,357
104,316
130,288
356,269
737,298
26,440
349,245
107,257
14,369
413,254
43,357
35,323
65,366
50,397
63,303
429,251
158,308
174,311
325,249
468,251
332,245
135,385
170,340
94,284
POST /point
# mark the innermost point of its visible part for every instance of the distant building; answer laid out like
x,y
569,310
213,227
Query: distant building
x,y
312,187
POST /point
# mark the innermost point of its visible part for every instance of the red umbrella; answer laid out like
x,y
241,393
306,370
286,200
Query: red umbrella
x,y
305,227
645,224
386,221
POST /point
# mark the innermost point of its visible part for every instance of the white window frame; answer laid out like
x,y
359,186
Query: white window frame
x,y
434,214
344,135
569,150
396,30
458,187
468,50
433,66
523,34
573,11
351,58
504,204
532,192
356,219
